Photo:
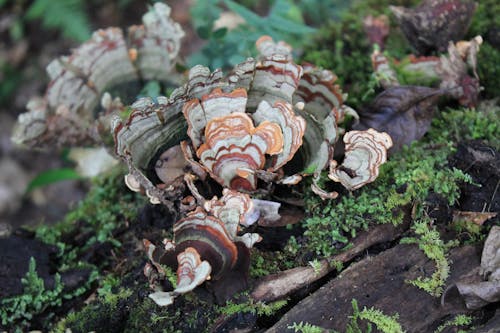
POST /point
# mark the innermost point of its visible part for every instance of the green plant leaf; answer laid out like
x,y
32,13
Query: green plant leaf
x,y
204,13
283,24
68,16
250,17
219,33
52,176
204,32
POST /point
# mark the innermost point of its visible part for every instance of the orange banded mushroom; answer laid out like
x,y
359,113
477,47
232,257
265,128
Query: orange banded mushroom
x,y
233,148
365,151
206,246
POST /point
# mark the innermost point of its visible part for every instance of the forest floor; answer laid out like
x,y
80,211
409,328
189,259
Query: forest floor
x,y
85,237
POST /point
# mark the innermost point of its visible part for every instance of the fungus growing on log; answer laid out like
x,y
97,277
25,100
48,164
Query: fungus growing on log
x,y
66,116
233,148
206,245
269,119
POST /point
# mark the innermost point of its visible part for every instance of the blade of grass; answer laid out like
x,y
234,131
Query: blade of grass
x,y
52,176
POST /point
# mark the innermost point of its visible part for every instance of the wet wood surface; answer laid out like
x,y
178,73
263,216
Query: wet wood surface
x,y
379,281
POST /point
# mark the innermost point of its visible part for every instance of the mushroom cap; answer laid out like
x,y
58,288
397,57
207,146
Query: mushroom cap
x,y
106,61
208,235
364,153
191,271
235,143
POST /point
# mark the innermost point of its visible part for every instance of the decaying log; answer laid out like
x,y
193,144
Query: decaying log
x,y
381,282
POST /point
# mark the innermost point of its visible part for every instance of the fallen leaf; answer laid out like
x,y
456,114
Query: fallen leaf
x,y
474,217
433,23
490,260
477,293
404,112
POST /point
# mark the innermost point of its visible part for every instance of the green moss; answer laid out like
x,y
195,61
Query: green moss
x,y
435,249
348,59
17,311
459,320
411,76
306,328
473,231
485,18
263,263
250,306
466,124
407,178
383,322
488,70
93,317
108,205
122,310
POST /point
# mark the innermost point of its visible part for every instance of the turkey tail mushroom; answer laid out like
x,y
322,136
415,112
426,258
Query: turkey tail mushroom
x,y
364,153
206,246
66,115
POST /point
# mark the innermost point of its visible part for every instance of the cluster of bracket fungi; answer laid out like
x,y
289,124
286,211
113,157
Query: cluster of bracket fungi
x,y
243,129
268,121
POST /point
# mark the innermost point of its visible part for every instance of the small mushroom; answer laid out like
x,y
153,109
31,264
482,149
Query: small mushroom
x,y
204,247
233,208
132,183
365,151
191,271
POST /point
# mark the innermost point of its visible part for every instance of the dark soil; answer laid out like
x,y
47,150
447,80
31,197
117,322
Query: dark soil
x,y
482,163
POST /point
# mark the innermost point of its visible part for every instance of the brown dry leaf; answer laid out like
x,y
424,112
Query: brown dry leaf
x,y
475,217
490,259
404,112
477,293
433,23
